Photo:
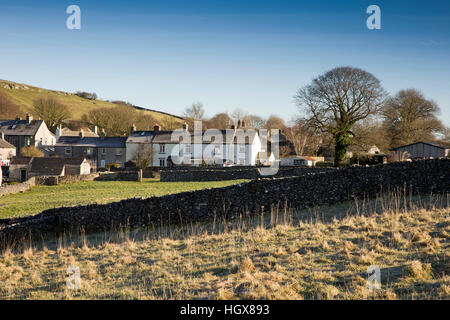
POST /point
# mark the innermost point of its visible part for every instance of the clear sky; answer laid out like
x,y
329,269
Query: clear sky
x,y
228,54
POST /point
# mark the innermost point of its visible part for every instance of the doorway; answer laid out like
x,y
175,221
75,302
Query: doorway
x,y
23,175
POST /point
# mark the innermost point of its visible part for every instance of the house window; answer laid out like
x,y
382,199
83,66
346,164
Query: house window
x,y
162,148
40,141
162,162
103,151
68,150
28,141
188,148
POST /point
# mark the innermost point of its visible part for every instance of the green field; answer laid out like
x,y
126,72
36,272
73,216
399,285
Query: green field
x,y
40,198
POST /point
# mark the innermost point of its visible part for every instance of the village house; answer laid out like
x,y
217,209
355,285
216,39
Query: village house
x,y
239,145
23,168
24,133
418,150
298,161
99,151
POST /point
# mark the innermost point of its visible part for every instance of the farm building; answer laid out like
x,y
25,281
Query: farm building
x,y
23,168
419,150
298,161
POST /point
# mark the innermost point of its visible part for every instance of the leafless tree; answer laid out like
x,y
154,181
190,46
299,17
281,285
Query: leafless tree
x,y
144,156
338,99
195,112
51,111
305,139
409,117
219,121
275,122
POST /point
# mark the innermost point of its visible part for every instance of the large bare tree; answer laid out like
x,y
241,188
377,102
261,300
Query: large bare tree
x,y
144,156
409,117
195,111
51,111
338,99
304,138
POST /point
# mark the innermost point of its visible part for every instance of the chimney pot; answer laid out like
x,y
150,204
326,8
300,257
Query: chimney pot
x,y
157,128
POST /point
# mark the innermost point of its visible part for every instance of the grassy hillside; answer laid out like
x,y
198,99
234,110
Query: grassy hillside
x,y
23,96
322,254
40,198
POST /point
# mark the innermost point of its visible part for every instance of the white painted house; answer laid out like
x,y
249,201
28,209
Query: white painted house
x,y
180,147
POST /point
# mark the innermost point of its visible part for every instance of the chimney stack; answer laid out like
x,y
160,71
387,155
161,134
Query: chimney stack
x,y
133,128
157,128
3,135
185,126
81,133
102,134
95,129
29,118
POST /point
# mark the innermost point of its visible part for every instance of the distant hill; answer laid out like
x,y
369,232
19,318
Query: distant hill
x,y
23,96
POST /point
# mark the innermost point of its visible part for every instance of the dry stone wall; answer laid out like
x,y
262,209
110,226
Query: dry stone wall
x,y
248,198
232,173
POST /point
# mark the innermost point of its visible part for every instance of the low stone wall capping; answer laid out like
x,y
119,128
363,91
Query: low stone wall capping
x,y
248,198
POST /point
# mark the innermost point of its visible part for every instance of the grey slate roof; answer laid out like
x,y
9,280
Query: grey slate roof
x,y
419,142
94,142
47,166
20,127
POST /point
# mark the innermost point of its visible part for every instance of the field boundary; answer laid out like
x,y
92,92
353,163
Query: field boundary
x,y
245,199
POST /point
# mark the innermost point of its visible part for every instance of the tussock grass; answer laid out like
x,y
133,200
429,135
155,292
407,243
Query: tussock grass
x,y
320,253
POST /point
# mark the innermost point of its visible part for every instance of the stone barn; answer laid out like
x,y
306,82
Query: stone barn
x,y
22,169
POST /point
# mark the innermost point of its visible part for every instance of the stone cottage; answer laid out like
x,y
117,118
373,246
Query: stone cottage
x,y
23,168
99,151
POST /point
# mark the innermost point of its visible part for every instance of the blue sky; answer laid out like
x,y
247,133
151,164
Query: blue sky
x,y
252,55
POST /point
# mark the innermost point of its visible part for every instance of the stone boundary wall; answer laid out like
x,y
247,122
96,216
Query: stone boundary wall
x,y
232,173
56,180
17,187
248,198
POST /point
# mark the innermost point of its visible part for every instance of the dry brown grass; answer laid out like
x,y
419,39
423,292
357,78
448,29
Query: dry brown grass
x,y
278,258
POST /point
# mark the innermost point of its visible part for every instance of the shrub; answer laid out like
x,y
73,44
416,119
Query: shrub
x,y
86,95
31,151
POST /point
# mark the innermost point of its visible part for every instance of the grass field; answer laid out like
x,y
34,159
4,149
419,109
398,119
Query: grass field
x,y
39,198
78,106
322,253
